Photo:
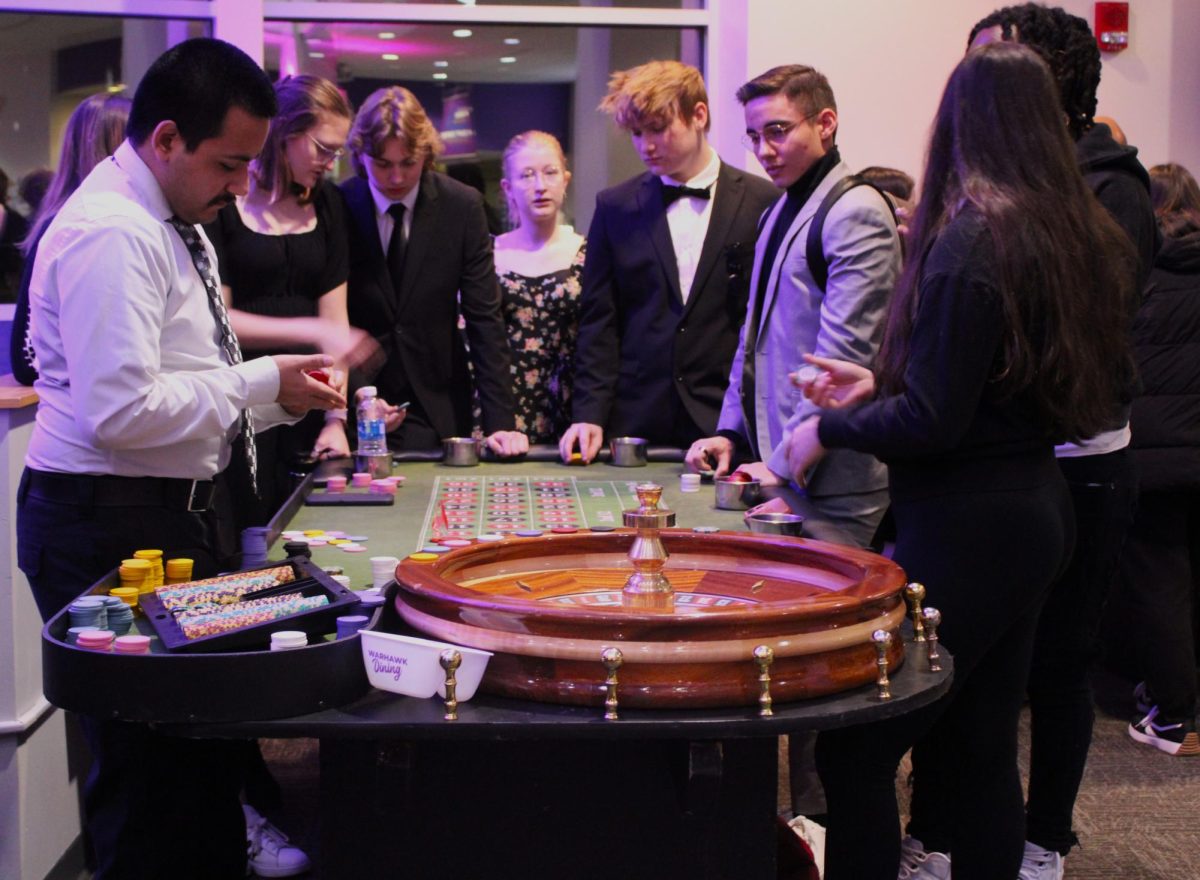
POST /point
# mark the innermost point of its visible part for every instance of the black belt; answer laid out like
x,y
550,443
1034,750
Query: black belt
x,y
193,496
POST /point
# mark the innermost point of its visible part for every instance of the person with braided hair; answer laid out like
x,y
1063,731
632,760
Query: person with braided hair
x,y
1099,472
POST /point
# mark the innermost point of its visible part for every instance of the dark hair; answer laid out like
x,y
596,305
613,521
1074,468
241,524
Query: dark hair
x,y
890,180
4,185
1065,42
194,84
798,82
1176,200
1065,269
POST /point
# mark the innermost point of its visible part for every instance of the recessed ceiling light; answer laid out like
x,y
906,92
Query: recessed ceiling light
x,y
440,75
462,33
441,64
390,56
512,41
508,59
387,35
316,54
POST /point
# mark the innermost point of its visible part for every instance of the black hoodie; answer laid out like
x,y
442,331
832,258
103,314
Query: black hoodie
x,y
1166,335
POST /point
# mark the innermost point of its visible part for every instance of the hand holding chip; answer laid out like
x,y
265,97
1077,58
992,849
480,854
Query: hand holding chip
x,y
710,454
833,384
589,437
298,391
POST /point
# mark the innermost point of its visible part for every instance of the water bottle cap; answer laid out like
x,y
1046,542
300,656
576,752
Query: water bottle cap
x,y
368,391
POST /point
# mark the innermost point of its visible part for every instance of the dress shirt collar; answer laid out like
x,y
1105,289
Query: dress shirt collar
x,y
706,178
382,202
143,181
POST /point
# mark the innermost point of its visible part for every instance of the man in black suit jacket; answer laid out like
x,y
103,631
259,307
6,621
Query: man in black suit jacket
x,y
667,273
420,252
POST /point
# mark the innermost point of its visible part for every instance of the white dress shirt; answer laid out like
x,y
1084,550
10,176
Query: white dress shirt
x,y
385,221
688,219
132,380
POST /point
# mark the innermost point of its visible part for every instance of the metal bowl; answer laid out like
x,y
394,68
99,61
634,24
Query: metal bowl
x,y
776,523
628,451
461,451
736,495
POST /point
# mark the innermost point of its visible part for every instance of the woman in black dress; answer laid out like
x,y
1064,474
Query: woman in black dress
x,y
282,253
998,344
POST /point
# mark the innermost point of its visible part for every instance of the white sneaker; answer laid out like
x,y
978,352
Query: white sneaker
x,y
268,850
812,834
916,864
1040,864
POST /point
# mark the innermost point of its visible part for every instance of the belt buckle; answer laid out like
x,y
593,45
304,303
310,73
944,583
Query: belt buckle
x,y
199,503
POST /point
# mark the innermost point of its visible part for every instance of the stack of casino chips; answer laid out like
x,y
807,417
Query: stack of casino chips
x,y
137,573
89,611
120,615
178,571
154,557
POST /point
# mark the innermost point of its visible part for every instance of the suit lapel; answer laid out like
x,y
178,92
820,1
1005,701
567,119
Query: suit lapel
x,y
730,191
420,237
362,209
654,218
797,235
760,247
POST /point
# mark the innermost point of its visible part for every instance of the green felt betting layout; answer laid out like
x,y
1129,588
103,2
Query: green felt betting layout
x,y
468,506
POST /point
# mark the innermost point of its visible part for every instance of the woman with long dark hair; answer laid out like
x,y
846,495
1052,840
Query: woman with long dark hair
x,y
94,131
998,344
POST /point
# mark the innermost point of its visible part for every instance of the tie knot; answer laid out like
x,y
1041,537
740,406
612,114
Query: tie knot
x,y
397,211
674,193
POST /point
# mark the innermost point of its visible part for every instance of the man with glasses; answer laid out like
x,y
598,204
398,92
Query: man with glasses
x,y
791,124
665,280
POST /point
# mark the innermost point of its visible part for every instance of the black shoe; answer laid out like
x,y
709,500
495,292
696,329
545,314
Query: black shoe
x,y
1175,738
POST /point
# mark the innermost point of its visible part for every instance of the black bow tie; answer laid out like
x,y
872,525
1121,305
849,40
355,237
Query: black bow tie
x,y
673,193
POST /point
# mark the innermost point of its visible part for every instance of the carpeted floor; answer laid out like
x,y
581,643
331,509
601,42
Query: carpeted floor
x,y
1136,814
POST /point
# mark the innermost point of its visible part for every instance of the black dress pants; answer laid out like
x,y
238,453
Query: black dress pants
x,y
156,807
986,559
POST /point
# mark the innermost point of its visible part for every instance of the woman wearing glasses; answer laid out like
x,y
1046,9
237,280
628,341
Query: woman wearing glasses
x,y
283,265
539,264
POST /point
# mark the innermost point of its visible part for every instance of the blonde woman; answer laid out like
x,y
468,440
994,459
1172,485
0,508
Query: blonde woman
x,y
539,264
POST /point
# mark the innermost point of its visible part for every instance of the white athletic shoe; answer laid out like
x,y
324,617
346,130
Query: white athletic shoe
x,y
917,864
1040,864
268,850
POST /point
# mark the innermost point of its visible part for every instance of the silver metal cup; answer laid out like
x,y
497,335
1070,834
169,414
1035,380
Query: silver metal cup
x,y
791,524
628,451
461,451
735,495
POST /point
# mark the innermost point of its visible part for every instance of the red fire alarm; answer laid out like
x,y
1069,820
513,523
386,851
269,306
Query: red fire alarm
x,y
1112,26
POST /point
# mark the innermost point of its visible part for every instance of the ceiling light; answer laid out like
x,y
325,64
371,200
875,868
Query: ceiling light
x,y
511,41
390,56
387,35
440,75
508,59
462,33
316,54
441,64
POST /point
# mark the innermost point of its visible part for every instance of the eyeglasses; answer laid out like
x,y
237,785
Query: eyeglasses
x,y
326,153
774,133
550,176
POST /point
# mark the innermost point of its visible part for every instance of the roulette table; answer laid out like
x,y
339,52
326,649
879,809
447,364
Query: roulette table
x,y
528,782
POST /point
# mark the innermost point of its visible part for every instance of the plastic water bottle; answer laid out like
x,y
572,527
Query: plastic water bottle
x,y
372,439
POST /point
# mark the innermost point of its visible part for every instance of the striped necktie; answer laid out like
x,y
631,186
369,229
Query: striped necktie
x,y
229,341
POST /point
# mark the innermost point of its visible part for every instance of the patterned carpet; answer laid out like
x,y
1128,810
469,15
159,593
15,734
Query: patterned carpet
x,y
1136,814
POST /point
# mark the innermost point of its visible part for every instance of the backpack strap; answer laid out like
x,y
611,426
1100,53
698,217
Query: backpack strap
x,y
814,250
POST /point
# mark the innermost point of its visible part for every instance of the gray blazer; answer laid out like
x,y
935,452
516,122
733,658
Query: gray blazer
x,y
862,249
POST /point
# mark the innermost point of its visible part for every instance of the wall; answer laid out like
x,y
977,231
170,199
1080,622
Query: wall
x,y
888,61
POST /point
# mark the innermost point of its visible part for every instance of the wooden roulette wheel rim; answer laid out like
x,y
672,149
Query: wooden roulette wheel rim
x,y
548,606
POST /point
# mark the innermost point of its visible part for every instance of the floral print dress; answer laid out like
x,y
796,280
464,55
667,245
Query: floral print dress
x,y
541,316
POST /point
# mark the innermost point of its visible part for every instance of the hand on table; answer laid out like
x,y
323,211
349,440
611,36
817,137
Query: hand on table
x,y
589,437
507,444
758,470
332,442
835,384
710,454
300,392
804,448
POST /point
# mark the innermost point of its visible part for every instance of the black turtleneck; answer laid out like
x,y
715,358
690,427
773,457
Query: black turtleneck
x,y
797,195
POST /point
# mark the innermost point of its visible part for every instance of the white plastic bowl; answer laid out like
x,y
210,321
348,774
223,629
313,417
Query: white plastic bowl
x,y
410,666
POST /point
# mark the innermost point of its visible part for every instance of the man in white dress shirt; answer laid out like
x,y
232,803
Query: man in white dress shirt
x,y
667,271
141,393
